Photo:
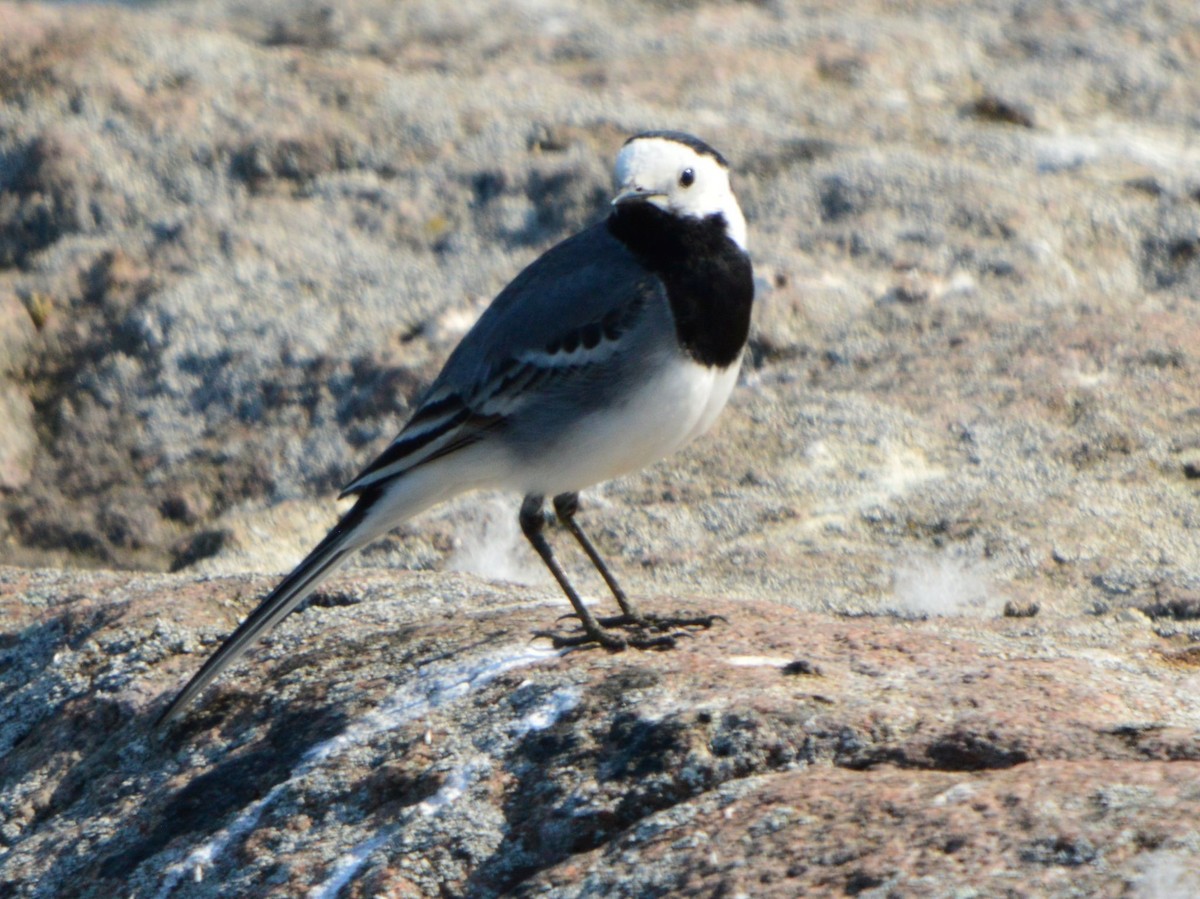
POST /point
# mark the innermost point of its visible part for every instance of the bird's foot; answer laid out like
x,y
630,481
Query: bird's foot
x,y
660,623
599,638
657,632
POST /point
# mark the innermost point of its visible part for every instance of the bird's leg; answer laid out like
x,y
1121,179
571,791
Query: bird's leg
x,y
565,507
533,524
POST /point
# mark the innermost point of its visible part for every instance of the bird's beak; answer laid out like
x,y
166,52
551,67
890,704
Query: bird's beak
x,y
636,195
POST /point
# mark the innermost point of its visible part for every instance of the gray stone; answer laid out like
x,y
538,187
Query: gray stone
x,y
406,735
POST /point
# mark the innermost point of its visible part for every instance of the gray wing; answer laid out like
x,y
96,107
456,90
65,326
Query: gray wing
x,y
561,318
581,281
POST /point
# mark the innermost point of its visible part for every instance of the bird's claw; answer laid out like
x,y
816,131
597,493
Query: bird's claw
x,y
600,640
648,632
660,622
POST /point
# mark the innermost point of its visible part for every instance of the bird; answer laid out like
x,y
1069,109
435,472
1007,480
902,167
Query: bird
x,y
609,352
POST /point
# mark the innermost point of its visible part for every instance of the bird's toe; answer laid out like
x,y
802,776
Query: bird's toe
x,y
599,640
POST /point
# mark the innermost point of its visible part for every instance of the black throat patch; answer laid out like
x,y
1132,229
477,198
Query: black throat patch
x,y
709,280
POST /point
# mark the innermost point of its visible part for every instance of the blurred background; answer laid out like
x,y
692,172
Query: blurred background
x,y
236,240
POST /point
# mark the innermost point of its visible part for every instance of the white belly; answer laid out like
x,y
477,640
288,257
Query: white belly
x,y
656,420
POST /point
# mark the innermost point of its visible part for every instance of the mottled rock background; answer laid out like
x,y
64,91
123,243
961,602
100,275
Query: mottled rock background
x,y
236,240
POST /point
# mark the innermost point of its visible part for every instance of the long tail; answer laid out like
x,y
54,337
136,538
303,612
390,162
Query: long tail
x,y
351,532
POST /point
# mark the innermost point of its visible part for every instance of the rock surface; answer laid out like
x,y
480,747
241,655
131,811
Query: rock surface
x,y
960,477
237,243
406,736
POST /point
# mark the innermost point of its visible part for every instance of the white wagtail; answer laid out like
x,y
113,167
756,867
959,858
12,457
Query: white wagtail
x,y
611,351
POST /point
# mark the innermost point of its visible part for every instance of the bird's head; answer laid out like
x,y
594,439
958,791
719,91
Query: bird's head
x,y
681,175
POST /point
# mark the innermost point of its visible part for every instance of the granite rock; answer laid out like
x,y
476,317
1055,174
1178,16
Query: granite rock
x,y
406,734
239,241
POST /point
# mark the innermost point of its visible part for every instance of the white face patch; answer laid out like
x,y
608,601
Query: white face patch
x,y
661,167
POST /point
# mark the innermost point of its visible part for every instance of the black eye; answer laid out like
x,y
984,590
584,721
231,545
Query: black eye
x,y
686,178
